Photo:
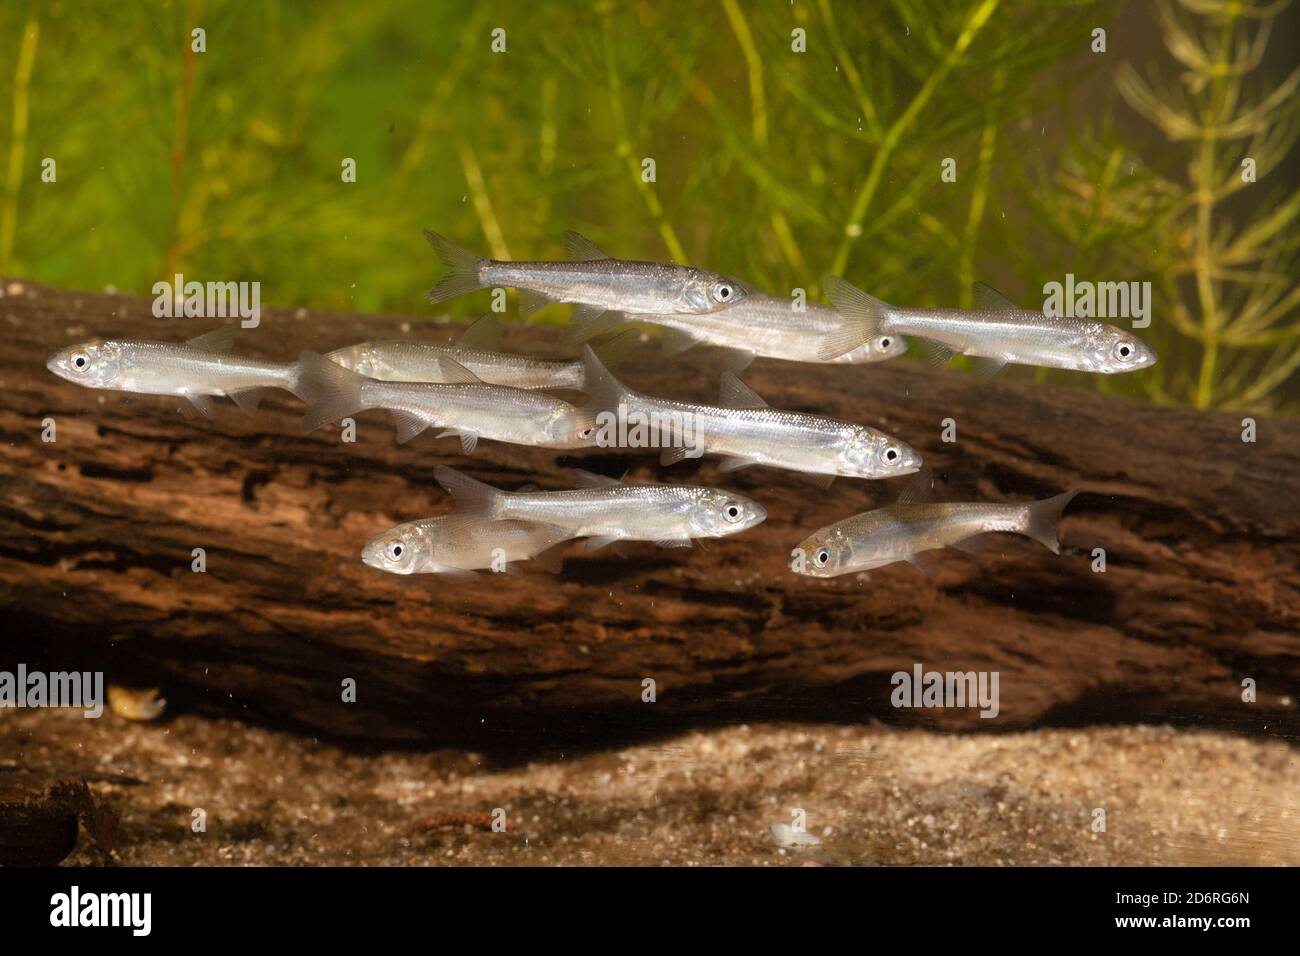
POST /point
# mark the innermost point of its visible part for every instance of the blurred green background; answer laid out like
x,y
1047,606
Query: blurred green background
x,y
772,164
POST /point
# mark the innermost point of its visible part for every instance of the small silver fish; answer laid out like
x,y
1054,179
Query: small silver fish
x,y
907,529
997,332
456,543
462,404
744,431
761,326
605,510
196,370
591,279
477,350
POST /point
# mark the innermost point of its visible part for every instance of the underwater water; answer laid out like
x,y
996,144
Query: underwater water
x,y
879,447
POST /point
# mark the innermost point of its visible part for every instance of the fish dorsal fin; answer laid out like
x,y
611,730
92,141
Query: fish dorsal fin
x,y
990,299
220,339
472,496
734,393
483,333
919,489
588,479
453,373
578,248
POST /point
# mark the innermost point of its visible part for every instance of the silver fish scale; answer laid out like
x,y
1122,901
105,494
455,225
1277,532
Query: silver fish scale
x,y
490,411
645,512
769,435
396,361
761,325
902,529
177,368
619,284
1018,335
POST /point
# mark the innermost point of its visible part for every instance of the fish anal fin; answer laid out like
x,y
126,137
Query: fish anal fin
x,y
248,399
983,369
975,544
589,479
923,561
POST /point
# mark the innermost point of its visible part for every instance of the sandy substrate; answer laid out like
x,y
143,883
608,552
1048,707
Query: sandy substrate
x,y
873,796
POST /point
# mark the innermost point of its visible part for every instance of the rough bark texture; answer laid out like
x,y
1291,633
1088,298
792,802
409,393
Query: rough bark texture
x,y
1201,533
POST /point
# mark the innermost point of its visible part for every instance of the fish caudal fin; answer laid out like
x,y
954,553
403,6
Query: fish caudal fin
x,y
472,496
462,266
1042,517
863,315
329,390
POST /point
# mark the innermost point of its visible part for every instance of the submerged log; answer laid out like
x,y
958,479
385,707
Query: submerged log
x,y
1200,592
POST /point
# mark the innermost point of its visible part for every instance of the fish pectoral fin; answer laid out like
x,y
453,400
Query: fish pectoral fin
x,y
671,456
600,541
589,479
730,463
733,393
483,333
456,574
674,341
578,248
990,299
935,354
823,482
923,561
983,369
203,404
975,544
674,542
530,301
585,315
919,488
249,398
220,339
408,426
735,361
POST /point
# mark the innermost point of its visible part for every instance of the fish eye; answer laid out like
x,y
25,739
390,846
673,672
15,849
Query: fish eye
x,y
722,292
586,433
886,342
732,512
1124,351
79,362
891,455
821,557
396,550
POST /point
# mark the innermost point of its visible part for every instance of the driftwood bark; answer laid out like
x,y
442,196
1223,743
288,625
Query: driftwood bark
x,y
1201,533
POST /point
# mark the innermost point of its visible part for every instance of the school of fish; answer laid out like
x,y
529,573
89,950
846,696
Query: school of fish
x,y
471,390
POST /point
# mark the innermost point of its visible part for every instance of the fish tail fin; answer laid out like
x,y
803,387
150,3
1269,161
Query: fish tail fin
x,y
462,267
604,391
864,318
329,390
472,497
1042,517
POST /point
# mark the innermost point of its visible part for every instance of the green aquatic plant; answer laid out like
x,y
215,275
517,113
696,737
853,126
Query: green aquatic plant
x,y
1202,221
